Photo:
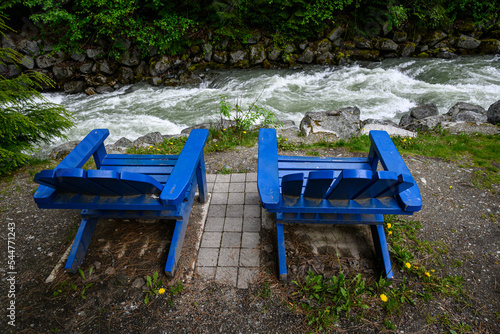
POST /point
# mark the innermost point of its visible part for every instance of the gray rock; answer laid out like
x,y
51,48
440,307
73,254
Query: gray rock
x,y
187,131
274,53
490,46
29,48
469,116
7,42
435,37
131,57
189,78
74,87
303,45
95,53
254,38
28,62
257,54
290,48
385,44
63,72
86,68
338,42
325,58
408,50
405,120
104,89
155,81
493,113
63,150
152,138
470,128
159,66
3,69
12,71
138,283
46,61
428,123
78,56
306,57
238,56
220,57
399,36
324,46
467,42
423,111
390,129
378,121
123,142
463,106
207,51
335,33
141,71
105,67
446,55
362,43
344,123
125,75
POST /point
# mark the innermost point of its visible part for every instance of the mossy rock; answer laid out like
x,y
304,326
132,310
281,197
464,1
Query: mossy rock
x,y
490,46
423,55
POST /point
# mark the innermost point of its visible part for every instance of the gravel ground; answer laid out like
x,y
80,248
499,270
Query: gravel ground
x,y
110,299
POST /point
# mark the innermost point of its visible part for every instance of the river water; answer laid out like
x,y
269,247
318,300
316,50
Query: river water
x,y
383,90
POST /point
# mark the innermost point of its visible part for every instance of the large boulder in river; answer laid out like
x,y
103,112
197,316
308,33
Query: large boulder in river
x,y
424,111
467,42
493,113
344,123
467,112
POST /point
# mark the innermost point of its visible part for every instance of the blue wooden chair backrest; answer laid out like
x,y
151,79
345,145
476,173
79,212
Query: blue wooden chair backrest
x,y
345,184
98,182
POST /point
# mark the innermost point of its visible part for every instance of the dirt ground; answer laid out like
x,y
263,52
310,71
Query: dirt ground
x,y
110,298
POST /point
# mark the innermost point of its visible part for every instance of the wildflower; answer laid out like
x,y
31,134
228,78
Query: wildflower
x,y
157,149
384,298
432,270
363,129
286,139
389,225
408,265
404,140
451,187
415,267
223,129
390,232
428,274
150,146
161,291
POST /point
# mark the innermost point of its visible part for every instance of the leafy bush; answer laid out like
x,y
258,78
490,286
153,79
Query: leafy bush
x,y
26,117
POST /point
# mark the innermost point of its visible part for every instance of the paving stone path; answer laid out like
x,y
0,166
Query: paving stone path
x,y
229,252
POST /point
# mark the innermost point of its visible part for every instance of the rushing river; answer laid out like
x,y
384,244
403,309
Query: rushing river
x,y
383,90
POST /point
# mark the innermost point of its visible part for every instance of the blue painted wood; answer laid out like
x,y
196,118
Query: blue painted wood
x,y
318,183
267,169
111,180
291,184
80,244
144,184
359,194
383,148
185,168
349,183
126,186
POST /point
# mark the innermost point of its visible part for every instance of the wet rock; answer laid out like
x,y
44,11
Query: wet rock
x,y
63,72
189,78
274,53
95,53
467,42
364,54
86,68
207,51
362,43
446,55
220,57
463,106
77,56
103,66
303,45
325,58
59,152
408,50
427,123
469,116
125,75
29,48
131,57
490,46
399,36
104,89
12,71
123,142
423,111
141,71
290,48
46,61
493,113
74,87
306,57
152,138
335,33
324,46
257,54
155,81
435,37
344,123
385,44
237,57
28,62
159,66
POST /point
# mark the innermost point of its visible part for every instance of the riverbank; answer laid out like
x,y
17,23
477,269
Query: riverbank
x,y
456,214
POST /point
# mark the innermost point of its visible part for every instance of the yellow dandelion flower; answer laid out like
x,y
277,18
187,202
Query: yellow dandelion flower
x,y
415,267
389,225
408,265
432,270
363,129
384,298
157,149
451,187
150,146
161,291
404,140
390,232
286,139
428,274
223,129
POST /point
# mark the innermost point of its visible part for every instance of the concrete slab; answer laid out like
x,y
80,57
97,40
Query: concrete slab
x,y
246,276
231,239
228,257
249,257
214,224
211,239
233,224
250,240
207,257
227,275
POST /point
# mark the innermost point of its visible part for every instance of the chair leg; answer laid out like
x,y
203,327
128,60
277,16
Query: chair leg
x,y
176,246
281,253
381,249
201,177
80,244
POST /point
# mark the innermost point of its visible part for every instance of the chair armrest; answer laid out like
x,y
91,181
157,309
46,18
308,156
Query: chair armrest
x,y
92,144
185,168
267,170
384,149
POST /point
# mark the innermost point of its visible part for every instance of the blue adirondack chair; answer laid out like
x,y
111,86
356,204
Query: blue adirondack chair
x,y
336,190
125,186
